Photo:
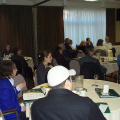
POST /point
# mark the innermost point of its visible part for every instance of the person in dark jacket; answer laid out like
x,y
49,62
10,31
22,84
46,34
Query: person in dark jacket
x,y
69,50
22,65
45,58
61,58
89,58
88,42
82,46
61,103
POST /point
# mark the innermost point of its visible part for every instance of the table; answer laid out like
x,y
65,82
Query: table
x,y
114,103
117,48
110,65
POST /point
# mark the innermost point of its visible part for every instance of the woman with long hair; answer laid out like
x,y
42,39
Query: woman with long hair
x,y
45,58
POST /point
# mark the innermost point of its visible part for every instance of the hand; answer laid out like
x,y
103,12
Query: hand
x,y
22,85
50,66
23,108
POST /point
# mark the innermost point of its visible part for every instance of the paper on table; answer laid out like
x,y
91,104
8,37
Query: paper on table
x,y
27,110
32,96
103,107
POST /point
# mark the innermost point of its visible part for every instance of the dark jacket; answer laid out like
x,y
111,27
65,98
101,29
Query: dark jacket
x,y
8,99
70,51
62,104
21,64
42,73
82,48
88,58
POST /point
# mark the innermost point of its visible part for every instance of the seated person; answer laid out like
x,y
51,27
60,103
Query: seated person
x,y
71,42
8,93
62,46
61,103
108,45
69,50
88,42
7,51
82,46
89,58
61,58
45,58
100,46
22,65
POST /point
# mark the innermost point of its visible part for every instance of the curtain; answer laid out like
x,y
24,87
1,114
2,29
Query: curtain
x,y
110,24
80,23
50,31
16,28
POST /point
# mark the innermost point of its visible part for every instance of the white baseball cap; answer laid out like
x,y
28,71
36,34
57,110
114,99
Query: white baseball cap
x,y
58,74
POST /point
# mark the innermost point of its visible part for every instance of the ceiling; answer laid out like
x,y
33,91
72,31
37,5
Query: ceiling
x,y
66,3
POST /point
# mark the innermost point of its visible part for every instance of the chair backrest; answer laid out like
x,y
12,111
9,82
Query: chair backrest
x,y
35,78
11,112
55,62
74,64
102,52
17,80
89,69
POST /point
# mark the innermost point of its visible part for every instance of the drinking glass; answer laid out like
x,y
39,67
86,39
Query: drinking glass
x,y
96,77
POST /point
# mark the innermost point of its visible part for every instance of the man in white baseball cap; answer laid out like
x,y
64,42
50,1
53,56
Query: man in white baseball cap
x,y
61,103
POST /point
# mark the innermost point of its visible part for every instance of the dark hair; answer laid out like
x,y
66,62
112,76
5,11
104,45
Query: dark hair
x,y
15,50
61,85
87,39
56,53
42,54
88,49
100,42
6,68
66,39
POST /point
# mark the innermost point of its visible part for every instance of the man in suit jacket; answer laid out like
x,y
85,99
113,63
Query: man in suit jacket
x,y
61,103
89,58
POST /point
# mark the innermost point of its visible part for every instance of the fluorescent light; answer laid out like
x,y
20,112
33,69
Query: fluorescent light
x,y
91,0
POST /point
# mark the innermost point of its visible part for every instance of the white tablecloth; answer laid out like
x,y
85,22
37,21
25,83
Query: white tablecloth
x,y
117,48
114,103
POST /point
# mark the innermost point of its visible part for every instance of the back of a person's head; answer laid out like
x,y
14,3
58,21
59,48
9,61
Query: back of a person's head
x,y
100,42
88,49
15,50
66,40
57,53
58,75
87,39
6,68
42,54
83,43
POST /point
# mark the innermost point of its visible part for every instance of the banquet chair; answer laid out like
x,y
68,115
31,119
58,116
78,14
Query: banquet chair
x,y
89,69
17,80
35,78
102,52
11,112
74,64
55,62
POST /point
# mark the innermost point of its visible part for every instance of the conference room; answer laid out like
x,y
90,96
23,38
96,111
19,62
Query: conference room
x,y
59,59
